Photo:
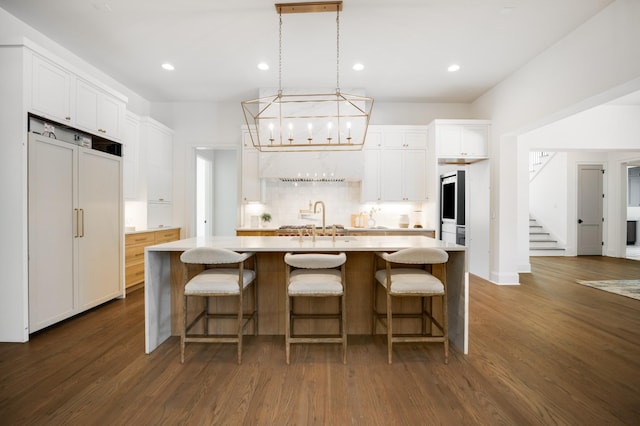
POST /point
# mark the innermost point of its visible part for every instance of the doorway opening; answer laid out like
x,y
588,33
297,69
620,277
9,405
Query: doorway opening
x,y
216,191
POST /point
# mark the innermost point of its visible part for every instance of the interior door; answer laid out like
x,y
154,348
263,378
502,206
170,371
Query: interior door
x,y
590,210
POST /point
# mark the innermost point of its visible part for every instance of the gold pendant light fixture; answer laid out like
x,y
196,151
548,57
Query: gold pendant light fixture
x,y
294,121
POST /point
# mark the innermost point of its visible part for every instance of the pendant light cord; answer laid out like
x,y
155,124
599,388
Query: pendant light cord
x,y
338,50
280,54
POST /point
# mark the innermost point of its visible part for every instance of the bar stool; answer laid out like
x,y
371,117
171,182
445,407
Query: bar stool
x,y
315,275
218,279
401,280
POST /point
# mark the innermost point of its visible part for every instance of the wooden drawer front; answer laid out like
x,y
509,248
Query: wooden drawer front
x,y
134,254
141,238
241,233
168,235
134,274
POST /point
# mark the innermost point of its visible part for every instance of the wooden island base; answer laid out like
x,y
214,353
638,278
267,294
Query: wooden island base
x,y
166,272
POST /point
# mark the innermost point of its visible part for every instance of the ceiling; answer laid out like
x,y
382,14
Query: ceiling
x,y
215,46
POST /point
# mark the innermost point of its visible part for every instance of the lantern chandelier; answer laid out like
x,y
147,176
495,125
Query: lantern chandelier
x,y
308,121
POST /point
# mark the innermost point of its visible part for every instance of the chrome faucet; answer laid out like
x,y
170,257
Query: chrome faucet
x,y
323,216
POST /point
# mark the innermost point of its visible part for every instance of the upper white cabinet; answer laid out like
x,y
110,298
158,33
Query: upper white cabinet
x,y
461,141
62,95
51,90
98,111
370,187
251,183
395,164
158,141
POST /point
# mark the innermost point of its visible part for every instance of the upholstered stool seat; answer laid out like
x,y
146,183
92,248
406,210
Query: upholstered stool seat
x,y
315,282
315,275
411,280
417,280
218,279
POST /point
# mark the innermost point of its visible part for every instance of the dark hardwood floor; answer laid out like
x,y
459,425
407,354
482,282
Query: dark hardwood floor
x,y
546,352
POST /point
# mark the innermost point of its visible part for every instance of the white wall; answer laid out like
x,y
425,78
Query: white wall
x,y
597,62
415,113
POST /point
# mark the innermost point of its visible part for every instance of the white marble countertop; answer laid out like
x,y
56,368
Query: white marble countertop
x,y
326,243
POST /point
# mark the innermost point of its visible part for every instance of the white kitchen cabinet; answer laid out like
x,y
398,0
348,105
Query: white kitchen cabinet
x,y
370,186
75,230
402,175
98,112
159,215
130,157
396,171
51,90
461,140
158,142
251,183
59,94
404,137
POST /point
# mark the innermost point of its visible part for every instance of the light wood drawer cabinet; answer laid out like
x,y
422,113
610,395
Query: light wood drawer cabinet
x,y
141,238
167,235
134,274
134,252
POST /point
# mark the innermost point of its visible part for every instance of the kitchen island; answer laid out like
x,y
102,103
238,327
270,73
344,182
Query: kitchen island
x,y
164,280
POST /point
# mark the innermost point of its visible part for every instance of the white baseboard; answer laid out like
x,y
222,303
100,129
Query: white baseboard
x,y
500,278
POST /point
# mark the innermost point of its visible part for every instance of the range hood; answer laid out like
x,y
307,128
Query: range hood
x,y
320,166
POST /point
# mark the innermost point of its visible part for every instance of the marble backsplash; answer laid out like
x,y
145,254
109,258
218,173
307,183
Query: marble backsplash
x,y
285,200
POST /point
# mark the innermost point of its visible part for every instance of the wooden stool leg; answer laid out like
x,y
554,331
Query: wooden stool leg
x,y
240,321
184,328
374,298
343,318
389,329
445,326
287,327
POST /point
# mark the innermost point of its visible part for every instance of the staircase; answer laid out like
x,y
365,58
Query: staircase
x,y
537,159
540,242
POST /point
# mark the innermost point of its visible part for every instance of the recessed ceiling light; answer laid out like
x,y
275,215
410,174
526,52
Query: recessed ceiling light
x,y
263,66
358,67
453,68
167,66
